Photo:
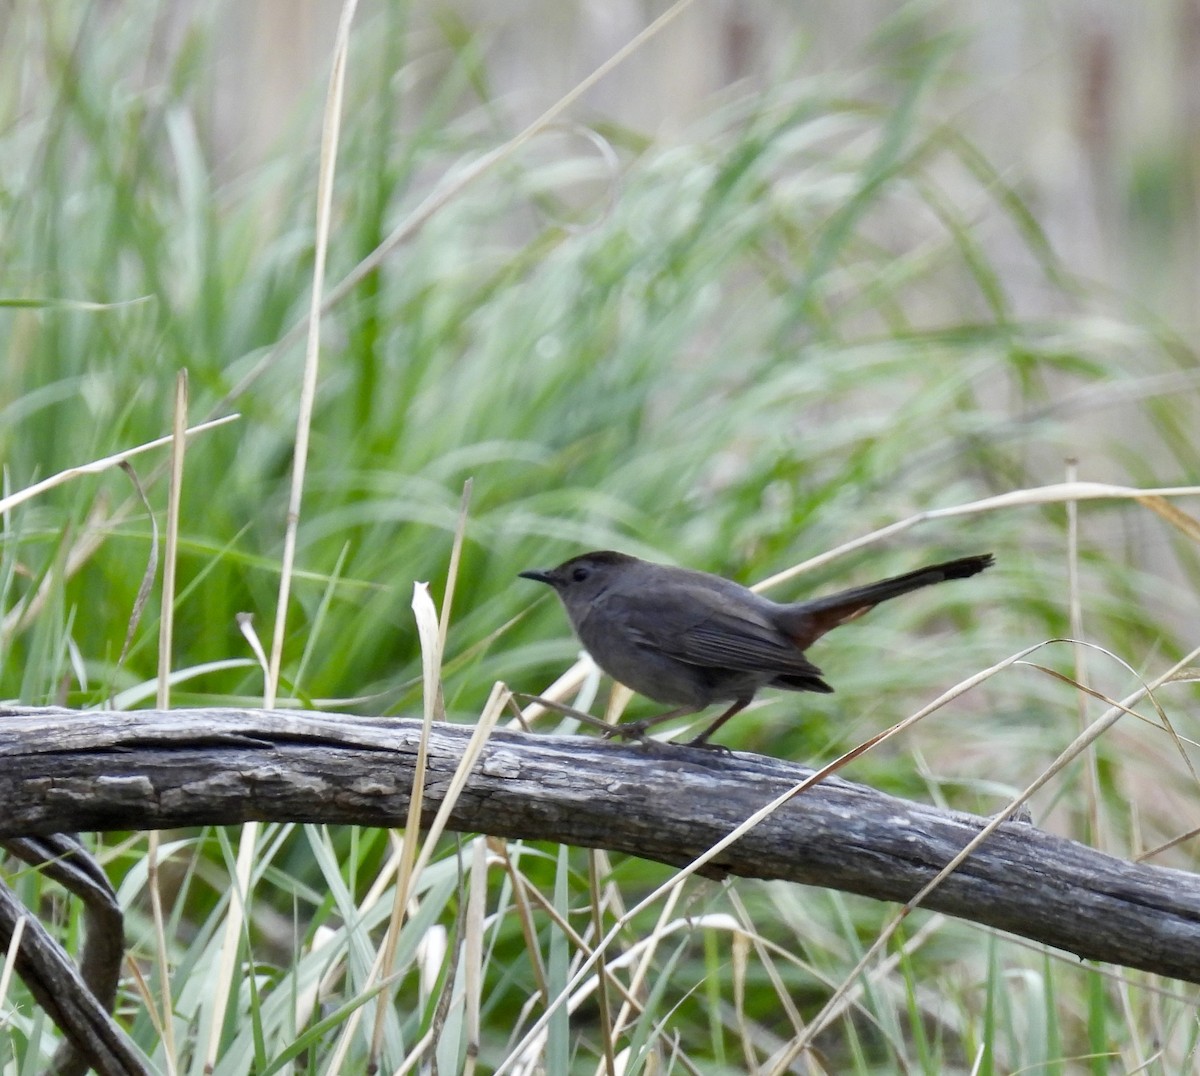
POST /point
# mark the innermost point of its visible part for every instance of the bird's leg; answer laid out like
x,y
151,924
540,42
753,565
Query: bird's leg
x,y
702,739
628,730
636,730
606,727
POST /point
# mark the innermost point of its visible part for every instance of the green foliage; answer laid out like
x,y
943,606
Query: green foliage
x,y
790,326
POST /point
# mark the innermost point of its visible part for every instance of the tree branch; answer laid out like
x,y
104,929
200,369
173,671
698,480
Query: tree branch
x,y
79,1001
64,770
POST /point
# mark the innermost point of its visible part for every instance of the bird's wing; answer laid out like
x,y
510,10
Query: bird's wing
x,y
703,628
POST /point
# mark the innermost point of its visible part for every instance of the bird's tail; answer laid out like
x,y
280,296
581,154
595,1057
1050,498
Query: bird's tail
x,y
807,621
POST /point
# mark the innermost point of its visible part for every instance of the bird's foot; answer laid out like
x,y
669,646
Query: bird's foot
x,y
629,730
708,745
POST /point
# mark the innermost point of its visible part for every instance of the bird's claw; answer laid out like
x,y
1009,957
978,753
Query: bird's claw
x,y
708,745
633,730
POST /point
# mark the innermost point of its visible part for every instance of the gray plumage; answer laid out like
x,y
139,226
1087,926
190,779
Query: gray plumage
x,y
691,639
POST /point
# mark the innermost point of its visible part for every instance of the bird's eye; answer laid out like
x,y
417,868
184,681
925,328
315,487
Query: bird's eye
x,y
579,574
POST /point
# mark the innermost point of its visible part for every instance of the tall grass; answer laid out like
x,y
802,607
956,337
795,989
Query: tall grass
x,y
793,323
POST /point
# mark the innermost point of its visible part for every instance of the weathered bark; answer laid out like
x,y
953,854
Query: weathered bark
x,y
69,771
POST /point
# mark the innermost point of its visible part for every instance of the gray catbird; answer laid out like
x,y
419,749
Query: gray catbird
x,y
692,639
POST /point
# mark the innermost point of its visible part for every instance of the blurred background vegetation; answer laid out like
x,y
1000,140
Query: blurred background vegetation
x,y
787,275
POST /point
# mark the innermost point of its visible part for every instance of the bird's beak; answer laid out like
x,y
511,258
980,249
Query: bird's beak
x,y
538,576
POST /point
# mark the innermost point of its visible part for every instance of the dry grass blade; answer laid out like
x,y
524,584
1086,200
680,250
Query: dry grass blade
x,y
245,624
473,951
1179,519
739,952
102,464
496,705
10,957
1167,846
142,988
460,533
44,302
440,961
612,169
148,576
431,662
606,1024
166,631
174,498
1075,608
1116,975
521,890
762,948
1063,492
1166,724
1186,676
411,863
308,391
24,613
330,131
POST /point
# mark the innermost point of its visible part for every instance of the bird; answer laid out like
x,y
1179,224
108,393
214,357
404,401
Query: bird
x,y
690,639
